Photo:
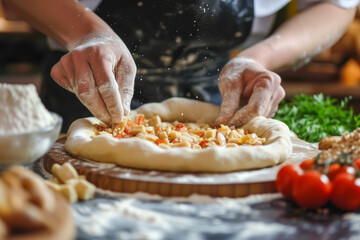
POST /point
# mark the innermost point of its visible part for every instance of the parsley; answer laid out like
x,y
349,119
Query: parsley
x,y
315,117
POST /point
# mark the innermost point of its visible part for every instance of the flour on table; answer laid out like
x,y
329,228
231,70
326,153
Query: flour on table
x,y
21,109
158,217
193,198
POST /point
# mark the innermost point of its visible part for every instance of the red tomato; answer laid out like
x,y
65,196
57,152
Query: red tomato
x,y
356,163
127,129
158,141
175,140
347,169
203,143
311,190
285,179
139,120
346,192
118,136
334,170
200,133
128,135
307,164
130,123
181,127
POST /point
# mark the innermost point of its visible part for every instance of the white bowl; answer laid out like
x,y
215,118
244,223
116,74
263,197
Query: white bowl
x,y
25,148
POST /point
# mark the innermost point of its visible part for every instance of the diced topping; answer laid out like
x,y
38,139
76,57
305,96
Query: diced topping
x,y
139,119
192,135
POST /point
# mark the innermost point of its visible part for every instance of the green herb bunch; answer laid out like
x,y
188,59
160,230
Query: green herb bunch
x,y
315,117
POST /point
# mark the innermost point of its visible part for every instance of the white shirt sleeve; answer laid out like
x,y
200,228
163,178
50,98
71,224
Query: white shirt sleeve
x,y
90,5
341,3
265,14
265,8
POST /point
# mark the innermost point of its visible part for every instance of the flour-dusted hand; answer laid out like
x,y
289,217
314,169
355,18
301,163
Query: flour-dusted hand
x,y
100,71
244,82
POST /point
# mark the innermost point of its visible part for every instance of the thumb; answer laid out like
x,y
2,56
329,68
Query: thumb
x,y
58,75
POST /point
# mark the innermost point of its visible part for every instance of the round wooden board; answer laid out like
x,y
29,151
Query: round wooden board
x,y
120,179
65,227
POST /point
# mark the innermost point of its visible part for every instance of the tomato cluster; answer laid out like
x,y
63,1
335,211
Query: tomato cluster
x,y
311,185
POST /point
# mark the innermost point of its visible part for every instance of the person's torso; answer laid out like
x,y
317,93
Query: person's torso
x,y
187,39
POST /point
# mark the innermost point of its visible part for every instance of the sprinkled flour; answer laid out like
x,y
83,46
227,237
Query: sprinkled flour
x,y
21,109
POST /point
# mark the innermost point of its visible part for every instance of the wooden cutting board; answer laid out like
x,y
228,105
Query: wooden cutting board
x,y
234,184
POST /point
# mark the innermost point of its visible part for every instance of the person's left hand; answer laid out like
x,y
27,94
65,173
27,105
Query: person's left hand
x,y
100,71
244,82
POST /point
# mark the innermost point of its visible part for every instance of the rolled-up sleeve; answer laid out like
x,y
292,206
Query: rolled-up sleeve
x,y
341,3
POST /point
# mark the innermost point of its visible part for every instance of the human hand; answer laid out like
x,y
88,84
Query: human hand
x,y
100,71
244,81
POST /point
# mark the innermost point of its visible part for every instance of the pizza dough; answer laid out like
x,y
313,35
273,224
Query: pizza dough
x,y
83,142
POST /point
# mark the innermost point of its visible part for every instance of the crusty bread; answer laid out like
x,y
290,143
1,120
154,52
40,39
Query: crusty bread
x,y
328,142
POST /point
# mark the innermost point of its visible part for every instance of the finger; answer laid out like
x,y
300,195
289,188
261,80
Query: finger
x,y
58,75
88,94
257,104
108,88
275,101
68,67
231,95
125,76
274,82
272,113
127,93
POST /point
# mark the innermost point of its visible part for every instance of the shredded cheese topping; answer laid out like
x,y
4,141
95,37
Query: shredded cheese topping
x,y
176,134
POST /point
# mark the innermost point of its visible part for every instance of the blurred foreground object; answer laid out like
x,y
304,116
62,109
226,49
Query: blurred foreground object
x,y
68,183
30,210
27,129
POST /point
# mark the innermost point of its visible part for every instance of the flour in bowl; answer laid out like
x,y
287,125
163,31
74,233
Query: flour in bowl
x,y
21,109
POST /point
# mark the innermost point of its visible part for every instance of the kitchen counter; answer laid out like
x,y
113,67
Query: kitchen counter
x,y
267,216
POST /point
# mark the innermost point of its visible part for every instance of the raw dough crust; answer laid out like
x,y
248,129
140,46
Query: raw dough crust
x,y
138,153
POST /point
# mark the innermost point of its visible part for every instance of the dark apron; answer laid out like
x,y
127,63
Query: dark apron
x,y
179,48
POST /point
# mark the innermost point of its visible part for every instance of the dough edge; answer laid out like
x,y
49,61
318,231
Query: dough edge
x,y
142,154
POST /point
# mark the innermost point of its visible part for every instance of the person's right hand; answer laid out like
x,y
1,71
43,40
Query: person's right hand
x,y
101,72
